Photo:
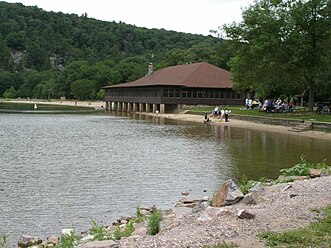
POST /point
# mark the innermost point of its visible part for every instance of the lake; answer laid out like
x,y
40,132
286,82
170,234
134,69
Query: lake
x,y
65,170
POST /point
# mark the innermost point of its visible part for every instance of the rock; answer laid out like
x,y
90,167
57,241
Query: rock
x,y
100,244
315,173
188,202
229,193
213,212
185,193
27,240
245,214
257,188
141,231
53,240
144,212
250,198
200,207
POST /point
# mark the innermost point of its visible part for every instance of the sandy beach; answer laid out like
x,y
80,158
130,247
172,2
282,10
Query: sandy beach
x,y
194,118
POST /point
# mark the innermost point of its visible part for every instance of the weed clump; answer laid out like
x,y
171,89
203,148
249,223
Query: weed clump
x,y
154,222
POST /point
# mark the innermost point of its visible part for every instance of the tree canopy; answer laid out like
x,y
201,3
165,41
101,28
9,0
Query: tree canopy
x,y
69,48
283,47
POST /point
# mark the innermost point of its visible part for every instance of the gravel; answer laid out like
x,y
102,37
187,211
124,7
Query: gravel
x,y
280,207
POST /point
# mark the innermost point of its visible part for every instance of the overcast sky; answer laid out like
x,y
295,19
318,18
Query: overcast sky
x,y
189,16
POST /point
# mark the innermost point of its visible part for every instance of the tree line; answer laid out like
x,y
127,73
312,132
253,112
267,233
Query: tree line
x,y
49,55
280,48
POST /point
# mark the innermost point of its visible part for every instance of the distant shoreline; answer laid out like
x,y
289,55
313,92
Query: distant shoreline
x,y
191,118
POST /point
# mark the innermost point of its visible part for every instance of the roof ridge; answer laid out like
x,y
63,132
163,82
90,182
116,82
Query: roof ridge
x,y
189,75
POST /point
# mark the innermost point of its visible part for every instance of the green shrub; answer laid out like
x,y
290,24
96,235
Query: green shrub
x,y
129,229
3,241
98,231
139,217
246,185
67,241
302,168
154,222
117,233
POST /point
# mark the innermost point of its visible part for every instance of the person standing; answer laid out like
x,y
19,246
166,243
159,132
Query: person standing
x,y
226,115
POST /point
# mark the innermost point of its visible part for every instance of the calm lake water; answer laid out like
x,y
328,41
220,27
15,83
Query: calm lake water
x,y
61,171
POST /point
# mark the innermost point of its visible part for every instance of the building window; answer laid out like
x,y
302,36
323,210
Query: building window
x,y
200,94
238,95
165,93
194,94
211,94
228,94
176,92
171,93
189,93
184,93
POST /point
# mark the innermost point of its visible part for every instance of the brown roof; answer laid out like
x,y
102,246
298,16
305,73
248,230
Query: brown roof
x,y
202,75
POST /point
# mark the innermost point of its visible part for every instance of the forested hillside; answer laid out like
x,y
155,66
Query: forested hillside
x,y
48,55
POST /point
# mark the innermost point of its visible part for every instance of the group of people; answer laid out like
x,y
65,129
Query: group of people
x,y
219,113
271,106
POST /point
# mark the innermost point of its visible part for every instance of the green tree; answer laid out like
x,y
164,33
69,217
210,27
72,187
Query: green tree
x,y
83,89
282,47
10,93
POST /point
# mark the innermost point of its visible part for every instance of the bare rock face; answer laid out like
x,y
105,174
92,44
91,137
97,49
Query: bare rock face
x,y
100,244
245,214
228,194
26,241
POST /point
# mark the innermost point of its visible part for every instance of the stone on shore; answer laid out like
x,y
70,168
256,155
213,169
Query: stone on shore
x,y
27,241
317,173
245,214
211,213
250,198
228,194
53,240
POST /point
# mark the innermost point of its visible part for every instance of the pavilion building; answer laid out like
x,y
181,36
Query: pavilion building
x,y
168,89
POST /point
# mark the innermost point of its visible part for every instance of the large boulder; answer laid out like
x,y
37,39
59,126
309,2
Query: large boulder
x,y
228,194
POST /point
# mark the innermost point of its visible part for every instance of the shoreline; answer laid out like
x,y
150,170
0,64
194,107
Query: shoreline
x,y
192,118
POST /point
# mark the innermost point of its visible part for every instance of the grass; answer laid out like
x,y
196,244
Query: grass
x,y
317,234
238,110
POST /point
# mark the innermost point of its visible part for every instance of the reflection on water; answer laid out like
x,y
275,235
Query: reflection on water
x,y
67,170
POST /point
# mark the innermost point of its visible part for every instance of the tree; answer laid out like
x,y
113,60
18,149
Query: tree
x,y
83,89
282,47
10,93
